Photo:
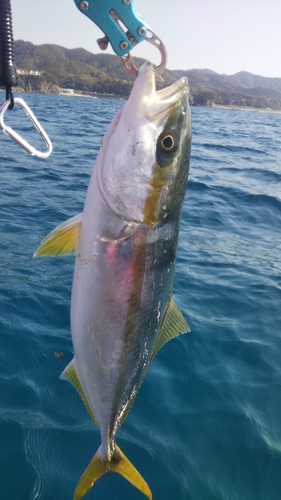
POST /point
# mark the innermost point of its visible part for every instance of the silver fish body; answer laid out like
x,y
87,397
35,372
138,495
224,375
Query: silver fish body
x,y
126,242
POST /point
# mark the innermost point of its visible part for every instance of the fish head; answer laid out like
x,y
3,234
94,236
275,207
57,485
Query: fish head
x,y
145,152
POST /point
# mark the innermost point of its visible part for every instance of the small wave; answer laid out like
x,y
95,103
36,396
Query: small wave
x,y
197,186
262,174
234,148
208,412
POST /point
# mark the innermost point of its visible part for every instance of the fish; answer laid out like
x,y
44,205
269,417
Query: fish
x,y
125,241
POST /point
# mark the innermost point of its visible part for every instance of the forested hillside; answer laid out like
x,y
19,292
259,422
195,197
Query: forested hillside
x,y
47,68
58,67
241,89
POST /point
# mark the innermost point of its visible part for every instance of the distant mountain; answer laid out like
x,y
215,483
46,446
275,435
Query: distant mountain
x,y
46,68
205,78
247,80
241,89
72,68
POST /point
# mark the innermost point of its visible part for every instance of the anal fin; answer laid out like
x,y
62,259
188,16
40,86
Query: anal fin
x,y
70,374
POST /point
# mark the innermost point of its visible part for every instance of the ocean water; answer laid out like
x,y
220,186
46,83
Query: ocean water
x,y
206,424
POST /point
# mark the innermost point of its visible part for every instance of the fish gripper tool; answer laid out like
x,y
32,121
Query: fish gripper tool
x,y
123,29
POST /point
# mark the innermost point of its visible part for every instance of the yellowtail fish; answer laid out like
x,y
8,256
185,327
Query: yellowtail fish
x,y
125,243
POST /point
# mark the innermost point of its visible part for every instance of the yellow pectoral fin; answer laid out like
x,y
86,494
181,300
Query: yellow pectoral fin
x,y
63,240
119,463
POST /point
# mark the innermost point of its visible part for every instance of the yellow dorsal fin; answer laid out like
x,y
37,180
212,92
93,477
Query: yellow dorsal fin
x,y
118,463
173,325
63,240
70,374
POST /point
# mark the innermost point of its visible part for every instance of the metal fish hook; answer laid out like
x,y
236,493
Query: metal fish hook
x,y
14,135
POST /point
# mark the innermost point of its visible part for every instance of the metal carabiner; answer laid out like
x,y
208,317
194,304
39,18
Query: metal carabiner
x,y
14,135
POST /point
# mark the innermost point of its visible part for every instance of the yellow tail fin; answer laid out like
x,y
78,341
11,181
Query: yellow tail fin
x,y
119,463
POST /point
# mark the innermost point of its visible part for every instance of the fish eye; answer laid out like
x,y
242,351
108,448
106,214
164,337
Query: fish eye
x,y
167,142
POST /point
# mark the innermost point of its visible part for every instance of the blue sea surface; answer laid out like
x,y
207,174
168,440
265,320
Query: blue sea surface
x,y
206,423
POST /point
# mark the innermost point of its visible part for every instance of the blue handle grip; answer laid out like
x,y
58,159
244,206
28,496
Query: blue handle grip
x,y
99,12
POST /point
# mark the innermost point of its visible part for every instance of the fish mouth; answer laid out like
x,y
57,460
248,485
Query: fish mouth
x,y
154,105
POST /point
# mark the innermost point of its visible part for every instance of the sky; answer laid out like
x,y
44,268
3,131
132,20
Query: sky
x,y
226,36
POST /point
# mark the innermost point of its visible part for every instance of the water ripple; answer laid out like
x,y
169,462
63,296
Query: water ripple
x,y
206,422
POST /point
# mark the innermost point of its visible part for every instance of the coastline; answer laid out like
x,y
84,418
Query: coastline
x,y
245,108
95,95
219,106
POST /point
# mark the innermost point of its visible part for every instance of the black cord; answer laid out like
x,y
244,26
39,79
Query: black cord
x,y
8,71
